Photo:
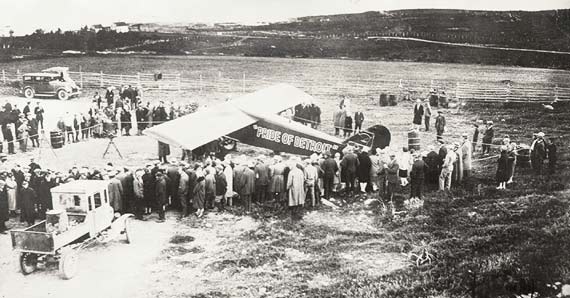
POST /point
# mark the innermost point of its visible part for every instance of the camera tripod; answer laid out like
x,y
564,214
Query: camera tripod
x,y
112,143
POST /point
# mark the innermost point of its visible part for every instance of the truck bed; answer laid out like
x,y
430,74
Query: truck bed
x,y
35,239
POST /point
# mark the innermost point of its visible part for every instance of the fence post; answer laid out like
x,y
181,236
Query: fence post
x,y
138,79
555,91
457,90
80,77
101,79
243,83
4,76
200,83
179,83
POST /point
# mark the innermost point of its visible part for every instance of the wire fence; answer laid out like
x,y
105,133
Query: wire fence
x,y
355,87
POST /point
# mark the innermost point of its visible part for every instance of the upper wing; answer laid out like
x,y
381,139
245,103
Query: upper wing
x,y
194,130
272,100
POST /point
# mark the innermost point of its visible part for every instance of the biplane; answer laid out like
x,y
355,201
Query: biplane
x,y
255,119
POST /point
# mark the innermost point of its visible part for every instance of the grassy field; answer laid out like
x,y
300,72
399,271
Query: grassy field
x,y
484,242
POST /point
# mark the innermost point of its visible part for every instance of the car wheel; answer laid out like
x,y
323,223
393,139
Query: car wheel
x,y
68,264
29,92
28,262
62,95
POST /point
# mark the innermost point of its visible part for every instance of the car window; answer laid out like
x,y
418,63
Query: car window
x,y
97,199
38,78
27,78
76,201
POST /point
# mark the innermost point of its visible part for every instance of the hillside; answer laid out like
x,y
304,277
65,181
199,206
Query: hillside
x,y
547,30
400,35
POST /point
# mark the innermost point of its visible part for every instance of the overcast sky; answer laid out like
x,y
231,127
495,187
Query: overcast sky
x,y
24,16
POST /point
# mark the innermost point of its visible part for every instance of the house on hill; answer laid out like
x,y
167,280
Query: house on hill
x,y
96,28
120,27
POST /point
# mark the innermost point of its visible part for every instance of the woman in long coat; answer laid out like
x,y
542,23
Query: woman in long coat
x,y
11,193
512,161
149,185
502,168
199,195
28,199
4,209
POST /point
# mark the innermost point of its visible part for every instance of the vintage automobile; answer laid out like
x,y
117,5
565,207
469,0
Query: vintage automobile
x,y
53,81
81,215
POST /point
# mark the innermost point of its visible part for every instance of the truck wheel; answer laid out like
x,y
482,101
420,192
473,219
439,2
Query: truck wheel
x,y
29,93
62,95
28,262
68,264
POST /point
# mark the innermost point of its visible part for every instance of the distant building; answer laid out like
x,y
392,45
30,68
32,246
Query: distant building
x,y
120,27
96,28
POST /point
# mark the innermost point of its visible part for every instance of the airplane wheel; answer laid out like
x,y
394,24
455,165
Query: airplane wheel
x,y
28,262
68,264
230,145
129,230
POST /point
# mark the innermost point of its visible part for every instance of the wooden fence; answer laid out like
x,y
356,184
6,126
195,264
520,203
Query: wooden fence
x,y
358,88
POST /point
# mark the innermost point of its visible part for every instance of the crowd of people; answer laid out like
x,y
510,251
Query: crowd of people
x,y
196,185
20,126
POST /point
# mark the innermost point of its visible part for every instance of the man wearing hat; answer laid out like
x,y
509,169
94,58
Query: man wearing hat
x,y
427,113
115,190
538,153
466,156
311,180
330,169
488,137
245,185
161,195
417,175
261,180
393,180
418,113
447,169
440,125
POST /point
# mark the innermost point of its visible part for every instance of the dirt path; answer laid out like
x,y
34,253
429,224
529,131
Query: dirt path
x,y
110,269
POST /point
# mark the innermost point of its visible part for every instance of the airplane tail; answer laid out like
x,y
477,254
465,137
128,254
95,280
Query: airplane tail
x,y
377,136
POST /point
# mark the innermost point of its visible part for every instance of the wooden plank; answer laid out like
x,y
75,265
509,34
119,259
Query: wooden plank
x,y
33,241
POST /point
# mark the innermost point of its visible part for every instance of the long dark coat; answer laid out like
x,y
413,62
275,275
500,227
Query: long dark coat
x,y
4,209
199,193
44,193
418,114
161,191
363,167
28,200
502,168
116,194
163,149
149,189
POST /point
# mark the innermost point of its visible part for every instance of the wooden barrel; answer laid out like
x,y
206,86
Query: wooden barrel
x,y
392,99
523,156
413,140
56,139
383,101
434,100
56,221
443,102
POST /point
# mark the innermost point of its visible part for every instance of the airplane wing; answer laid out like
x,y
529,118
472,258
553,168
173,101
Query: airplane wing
x,y
205,125
194,130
